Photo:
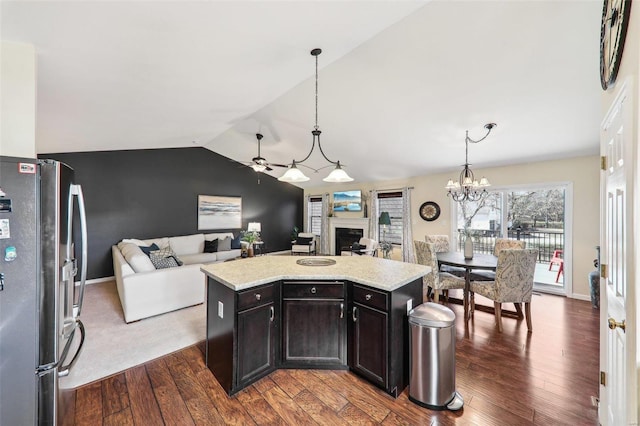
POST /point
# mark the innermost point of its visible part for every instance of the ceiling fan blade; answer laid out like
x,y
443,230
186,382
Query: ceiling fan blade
x,y
269,169
279,165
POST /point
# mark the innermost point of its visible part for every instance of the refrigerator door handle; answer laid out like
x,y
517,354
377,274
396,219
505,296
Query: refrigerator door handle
x,y
64,370
47,368
76,190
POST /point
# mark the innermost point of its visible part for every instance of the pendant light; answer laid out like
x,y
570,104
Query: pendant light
x,y
294,174
467,188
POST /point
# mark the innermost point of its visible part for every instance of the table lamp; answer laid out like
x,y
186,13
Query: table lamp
x,y
253,227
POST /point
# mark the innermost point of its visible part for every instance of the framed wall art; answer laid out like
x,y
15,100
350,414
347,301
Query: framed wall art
x,y
216,212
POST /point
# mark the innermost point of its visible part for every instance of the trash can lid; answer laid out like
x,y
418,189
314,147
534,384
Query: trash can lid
x,y
432,315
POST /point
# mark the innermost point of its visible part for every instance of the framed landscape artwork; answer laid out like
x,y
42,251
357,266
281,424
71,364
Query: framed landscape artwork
x,y
215,212
347,201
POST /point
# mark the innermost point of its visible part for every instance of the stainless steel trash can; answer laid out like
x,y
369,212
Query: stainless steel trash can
x,y
432,357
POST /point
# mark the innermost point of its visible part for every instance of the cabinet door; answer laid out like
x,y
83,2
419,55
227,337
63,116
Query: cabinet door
x,y
256,354
369,349
314,332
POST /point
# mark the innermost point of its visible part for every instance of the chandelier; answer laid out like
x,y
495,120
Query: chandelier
x,y
468,188
294,174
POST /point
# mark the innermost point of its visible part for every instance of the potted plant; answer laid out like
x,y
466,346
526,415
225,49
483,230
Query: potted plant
x,y
250,237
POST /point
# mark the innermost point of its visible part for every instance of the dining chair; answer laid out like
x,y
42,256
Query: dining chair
x,y
500,244
513,283
441,242
436,280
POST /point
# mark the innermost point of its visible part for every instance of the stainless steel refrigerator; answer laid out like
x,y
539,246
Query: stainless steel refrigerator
x,y
41,334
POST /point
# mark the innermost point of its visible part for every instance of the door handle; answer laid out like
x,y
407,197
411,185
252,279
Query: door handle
x,y
76,191
353,314
613,324
272,314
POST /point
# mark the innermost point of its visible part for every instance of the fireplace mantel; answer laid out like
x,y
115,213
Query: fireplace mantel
x,y
346,222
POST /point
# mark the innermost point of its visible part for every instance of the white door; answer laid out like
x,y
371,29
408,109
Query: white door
x,y
618,387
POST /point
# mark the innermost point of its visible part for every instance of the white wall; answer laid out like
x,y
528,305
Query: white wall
x,y
18,100
584,172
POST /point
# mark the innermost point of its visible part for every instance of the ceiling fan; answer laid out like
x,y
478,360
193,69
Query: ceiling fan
x,y
259,164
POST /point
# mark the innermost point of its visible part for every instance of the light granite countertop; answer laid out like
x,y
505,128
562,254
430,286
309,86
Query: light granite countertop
x,y
379,273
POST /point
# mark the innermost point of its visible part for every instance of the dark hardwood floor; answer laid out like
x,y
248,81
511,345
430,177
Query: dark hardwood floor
x,y
509,378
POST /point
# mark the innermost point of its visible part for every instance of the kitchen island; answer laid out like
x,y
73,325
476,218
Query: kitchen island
x,y
270,312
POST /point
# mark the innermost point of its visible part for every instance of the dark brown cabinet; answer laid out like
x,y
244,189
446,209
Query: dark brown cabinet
x,y
378,334
242,334
313,324
255,333
369,349
309,324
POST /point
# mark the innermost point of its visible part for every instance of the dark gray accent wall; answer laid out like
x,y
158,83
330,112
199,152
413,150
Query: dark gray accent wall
x,y
154,193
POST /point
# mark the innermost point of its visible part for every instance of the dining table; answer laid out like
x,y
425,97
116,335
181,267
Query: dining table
x,y
478,261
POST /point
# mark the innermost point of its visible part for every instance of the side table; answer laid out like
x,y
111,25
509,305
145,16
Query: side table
x,y
258,248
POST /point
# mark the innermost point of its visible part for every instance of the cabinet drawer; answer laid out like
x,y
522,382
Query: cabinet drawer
x,y
370,297
255,297
334,290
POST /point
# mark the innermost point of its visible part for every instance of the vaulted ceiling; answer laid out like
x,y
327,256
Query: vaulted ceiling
x,y
399,84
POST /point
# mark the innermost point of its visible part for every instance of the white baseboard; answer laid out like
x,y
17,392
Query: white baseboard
x,y
581,297
98,280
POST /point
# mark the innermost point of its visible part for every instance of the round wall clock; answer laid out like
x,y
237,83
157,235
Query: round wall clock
x,y
429,211
613,31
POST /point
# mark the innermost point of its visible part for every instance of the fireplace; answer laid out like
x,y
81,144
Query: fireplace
x,y
345,237
351,223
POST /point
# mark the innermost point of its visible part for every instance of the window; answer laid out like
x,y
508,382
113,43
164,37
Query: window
x,y
315,215
538,214
391,202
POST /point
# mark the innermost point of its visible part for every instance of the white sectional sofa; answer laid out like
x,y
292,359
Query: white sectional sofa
x,y
146,291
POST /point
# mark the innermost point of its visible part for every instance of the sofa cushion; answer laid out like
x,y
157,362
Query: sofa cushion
x,y
211,246
226,255
167,252
199,258
189,244
224,244
236,242
160,242
134,241
135,257
161,262
147,249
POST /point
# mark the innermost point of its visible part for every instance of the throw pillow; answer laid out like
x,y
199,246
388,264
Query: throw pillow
x,y
235,243
224,244
149,249
211,246
303,241
162,262
167,252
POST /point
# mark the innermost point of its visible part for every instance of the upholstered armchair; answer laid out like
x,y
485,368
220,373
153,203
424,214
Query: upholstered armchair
x,y
365,246
436,280
305,243
513,283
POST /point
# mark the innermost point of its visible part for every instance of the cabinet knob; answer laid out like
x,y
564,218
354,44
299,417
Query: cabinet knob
x,y
368,297
258,296
353,314
313,290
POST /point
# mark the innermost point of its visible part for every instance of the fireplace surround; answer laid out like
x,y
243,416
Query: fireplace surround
x,y
352,224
